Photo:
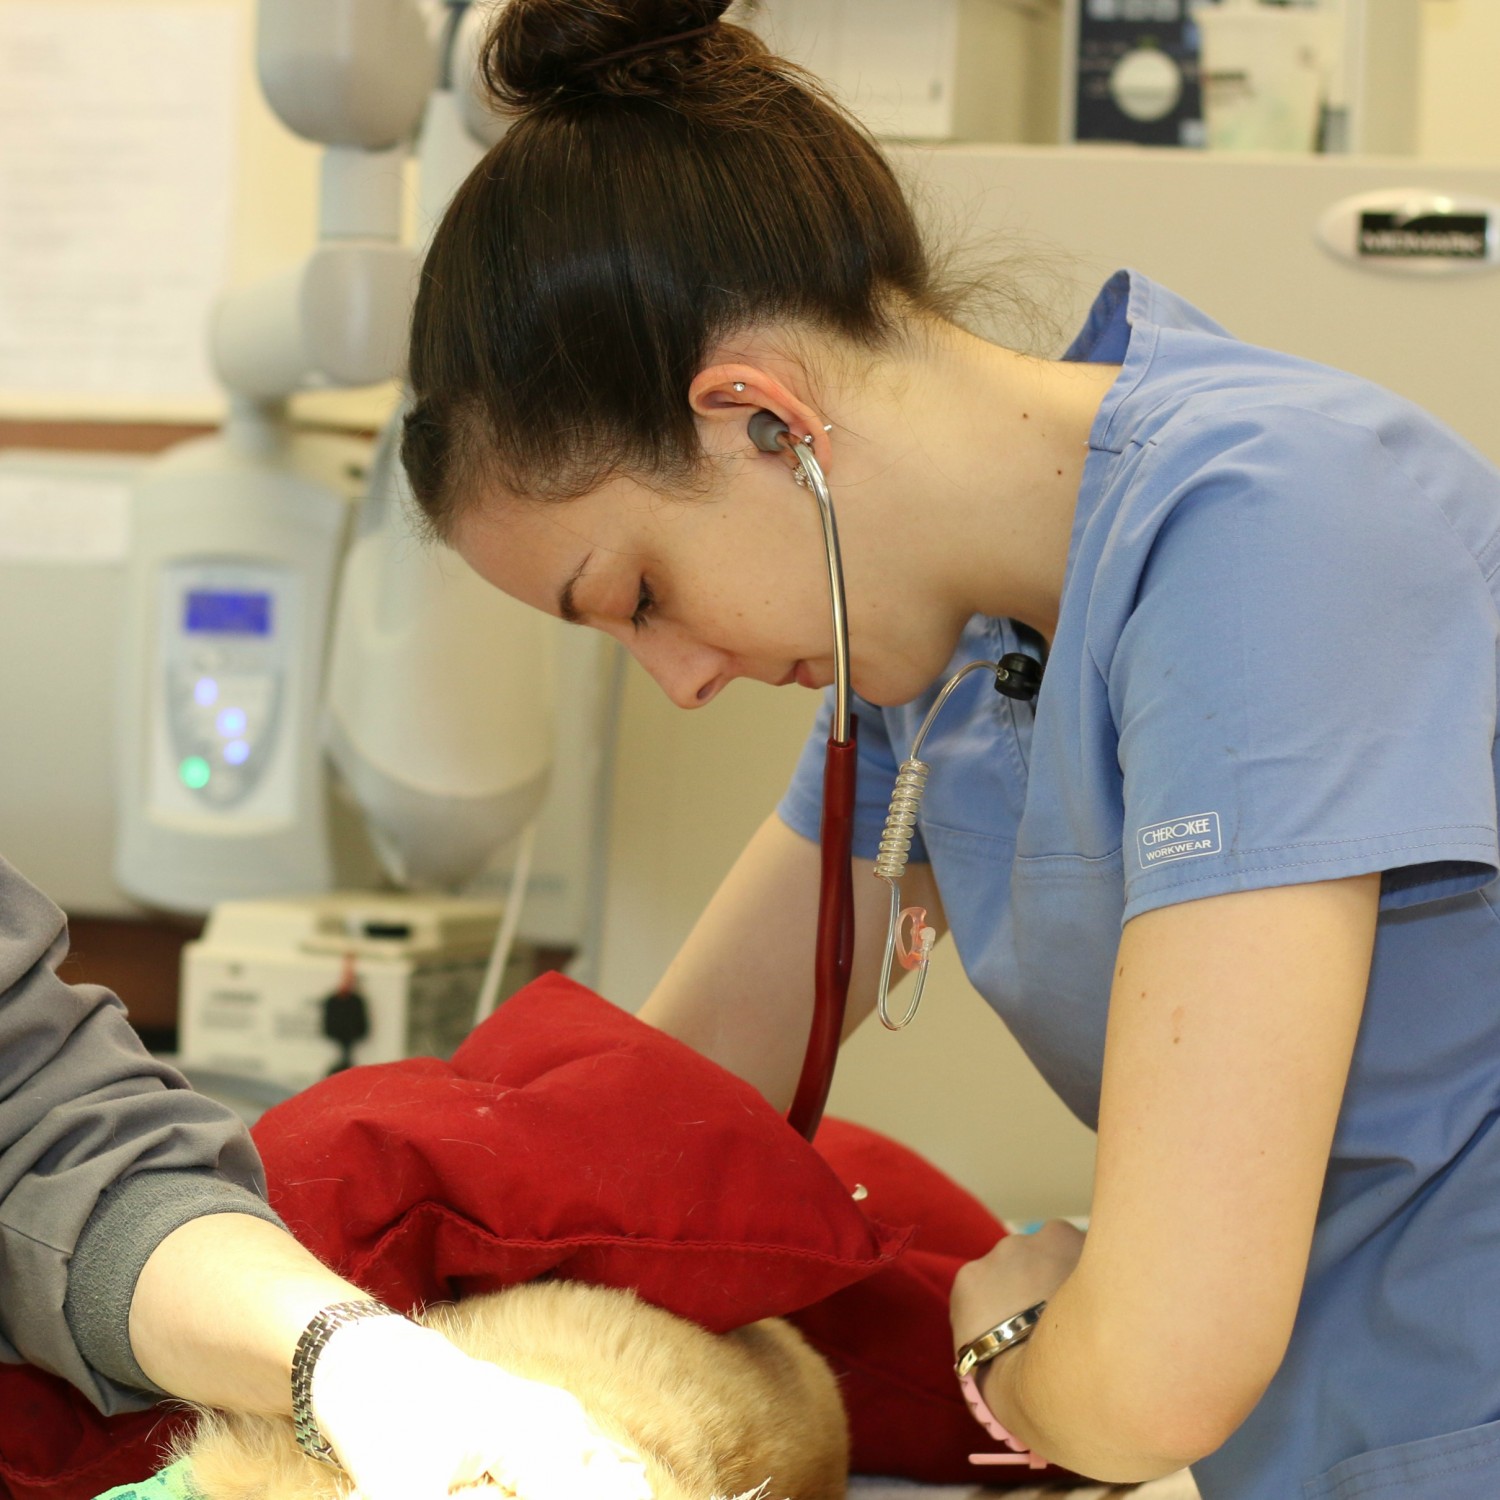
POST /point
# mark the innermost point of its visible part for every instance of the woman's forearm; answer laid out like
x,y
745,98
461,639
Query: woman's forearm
x,y
219,1308
1083,1390
1178,1315
1059,1395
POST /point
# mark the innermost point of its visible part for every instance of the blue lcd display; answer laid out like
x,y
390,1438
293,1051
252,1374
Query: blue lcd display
x,y
212,612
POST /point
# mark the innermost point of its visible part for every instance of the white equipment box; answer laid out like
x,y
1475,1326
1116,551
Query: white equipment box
x,y
972,70
254,986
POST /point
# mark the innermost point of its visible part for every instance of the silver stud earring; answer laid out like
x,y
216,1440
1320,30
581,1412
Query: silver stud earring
x,y
739,385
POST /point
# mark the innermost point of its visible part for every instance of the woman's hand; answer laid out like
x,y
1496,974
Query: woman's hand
x,y
1022,1270
413,1418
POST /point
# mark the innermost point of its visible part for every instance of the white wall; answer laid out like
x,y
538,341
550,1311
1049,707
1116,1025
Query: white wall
x,y
275,200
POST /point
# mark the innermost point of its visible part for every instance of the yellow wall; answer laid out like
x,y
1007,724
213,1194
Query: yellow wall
x,y
1458,109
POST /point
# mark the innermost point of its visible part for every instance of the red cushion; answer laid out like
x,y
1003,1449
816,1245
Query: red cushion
x,y
55,1446
568,1138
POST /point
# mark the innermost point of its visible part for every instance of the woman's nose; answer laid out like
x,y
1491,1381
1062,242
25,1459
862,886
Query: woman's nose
x,y
689,674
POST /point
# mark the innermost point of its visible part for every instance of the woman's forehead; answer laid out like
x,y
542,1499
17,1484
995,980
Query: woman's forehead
x,y
537,549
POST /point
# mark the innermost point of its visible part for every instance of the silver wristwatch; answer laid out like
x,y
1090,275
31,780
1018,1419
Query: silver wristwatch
x,y
315,1336
997,1340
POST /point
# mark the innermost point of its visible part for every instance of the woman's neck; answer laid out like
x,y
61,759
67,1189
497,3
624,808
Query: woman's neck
x,y
975,454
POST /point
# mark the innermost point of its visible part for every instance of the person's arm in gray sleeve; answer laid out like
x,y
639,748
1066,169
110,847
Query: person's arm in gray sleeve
x,y
104,1152
131,1235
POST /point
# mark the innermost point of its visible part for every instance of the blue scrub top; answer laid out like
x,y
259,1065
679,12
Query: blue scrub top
x,y
1275,662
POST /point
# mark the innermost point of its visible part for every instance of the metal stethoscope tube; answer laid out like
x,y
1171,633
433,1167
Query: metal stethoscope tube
x,y
835,932
771,435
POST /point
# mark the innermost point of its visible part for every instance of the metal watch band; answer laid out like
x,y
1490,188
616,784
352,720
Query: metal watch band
x,y
314,1338
997,1340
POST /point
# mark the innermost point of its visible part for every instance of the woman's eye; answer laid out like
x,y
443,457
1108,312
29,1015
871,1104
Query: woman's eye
x,y
643,605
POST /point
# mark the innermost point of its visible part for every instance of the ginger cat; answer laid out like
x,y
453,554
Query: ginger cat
x,y
755,1412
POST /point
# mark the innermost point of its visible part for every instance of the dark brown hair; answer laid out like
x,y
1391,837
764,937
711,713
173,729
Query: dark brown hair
x,y
641,207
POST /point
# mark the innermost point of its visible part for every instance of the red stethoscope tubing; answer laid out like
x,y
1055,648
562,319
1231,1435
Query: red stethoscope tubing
x,y
835,943
834,956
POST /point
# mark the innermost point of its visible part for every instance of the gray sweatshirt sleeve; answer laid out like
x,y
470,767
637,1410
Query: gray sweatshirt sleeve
x,y
103,1152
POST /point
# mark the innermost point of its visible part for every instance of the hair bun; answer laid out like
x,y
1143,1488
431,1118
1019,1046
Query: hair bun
x,y
540,51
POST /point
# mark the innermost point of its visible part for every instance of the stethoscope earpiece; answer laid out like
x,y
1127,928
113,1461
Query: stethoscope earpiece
x,y
766,430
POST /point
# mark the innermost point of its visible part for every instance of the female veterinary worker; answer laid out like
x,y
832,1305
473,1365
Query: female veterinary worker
x,y
137,1259
1269,592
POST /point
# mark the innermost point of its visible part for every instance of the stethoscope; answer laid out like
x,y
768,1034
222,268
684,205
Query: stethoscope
x,y
909,938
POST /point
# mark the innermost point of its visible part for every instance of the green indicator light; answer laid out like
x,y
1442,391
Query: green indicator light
x,y
194,772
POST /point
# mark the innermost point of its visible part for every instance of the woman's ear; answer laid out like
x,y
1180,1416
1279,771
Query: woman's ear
x,y
728,395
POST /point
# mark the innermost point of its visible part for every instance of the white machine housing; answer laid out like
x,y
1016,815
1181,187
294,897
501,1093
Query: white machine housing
x,y
229,593
1132,70
441,688
441,696
970,70
355,76
255,983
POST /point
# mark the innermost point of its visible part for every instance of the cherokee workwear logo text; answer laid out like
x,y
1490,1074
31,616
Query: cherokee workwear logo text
x,y
1178,838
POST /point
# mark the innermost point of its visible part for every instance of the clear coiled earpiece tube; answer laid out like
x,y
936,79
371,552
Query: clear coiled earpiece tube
x,y
909,938
890,866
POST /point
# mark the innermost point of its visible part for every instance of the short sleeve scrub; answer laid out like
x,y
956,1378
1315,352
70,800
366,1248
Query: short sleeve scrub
x,y
1275,662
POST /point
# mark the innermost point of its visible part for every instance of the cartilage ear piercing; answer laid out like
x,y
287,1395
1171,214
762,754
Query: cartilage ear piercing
x,y
739,385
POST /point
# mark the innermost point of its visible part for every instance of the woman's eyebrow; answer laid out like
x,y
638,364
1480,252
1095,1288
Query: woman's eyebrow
x,y
566,606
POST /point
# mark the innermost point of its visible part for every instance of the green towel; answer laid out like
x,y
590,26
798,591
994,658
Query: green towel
x,y
175,1483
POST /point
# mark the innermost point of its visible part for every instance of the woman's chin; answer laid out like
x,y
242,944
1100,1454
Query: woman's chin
x,y
890,692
